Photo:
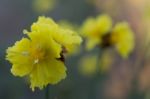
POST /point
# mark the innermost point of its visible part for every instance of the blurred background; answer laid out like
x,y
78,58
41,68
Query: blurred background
x,y
117,79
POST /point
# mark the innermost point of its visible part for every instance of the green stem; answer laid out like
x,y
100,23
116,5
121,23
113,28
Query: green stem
x,y
95,81
47,92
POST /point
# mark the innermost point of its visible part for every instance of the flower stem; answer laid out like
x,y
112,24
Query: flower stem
x,y
96,80
47,92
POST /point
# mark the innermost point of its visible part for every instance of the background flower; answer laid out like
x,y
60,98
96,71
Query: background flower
x,y
94,29
43,6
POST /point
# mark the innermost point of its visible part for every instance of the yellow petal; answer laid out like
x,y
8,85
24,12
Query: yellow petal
x,y
123,39
19,56
104,23
50,72
44,40
67,38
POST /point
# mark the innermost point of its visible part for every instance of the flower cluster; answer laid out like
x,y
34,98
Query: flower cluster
x,y
99,31
40,55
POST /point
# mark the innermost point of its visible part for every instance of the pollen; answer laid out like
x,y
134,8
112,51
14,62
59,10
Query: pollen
x,y
37,54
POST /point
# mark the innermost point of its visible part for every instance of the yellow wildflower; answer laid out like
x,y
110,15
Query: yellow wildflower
x,y
43,6
88,65
41,55
106,60
123,39
94,29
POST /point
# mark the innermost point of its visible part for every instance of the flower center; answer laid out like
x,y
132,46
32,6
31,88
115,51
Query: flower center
x,y
37,54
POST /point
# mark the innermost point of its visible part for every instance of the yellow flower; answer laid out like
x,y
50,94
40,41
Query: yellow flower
x,y
123,39
88,65
94,29
41,55
66,37
106,61
43,6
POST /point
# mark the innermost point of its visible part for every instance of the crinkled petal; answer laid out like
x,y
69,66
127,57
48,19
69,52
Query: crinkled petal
x,y
45,41
18,55
43,24
50,72
67,38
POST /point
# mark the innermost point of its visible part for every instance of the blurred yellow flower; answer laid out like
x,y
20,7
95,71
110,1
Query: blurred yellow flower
x,y
123,39
106,61
88,65
94,29
43,6
41,55
99,32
